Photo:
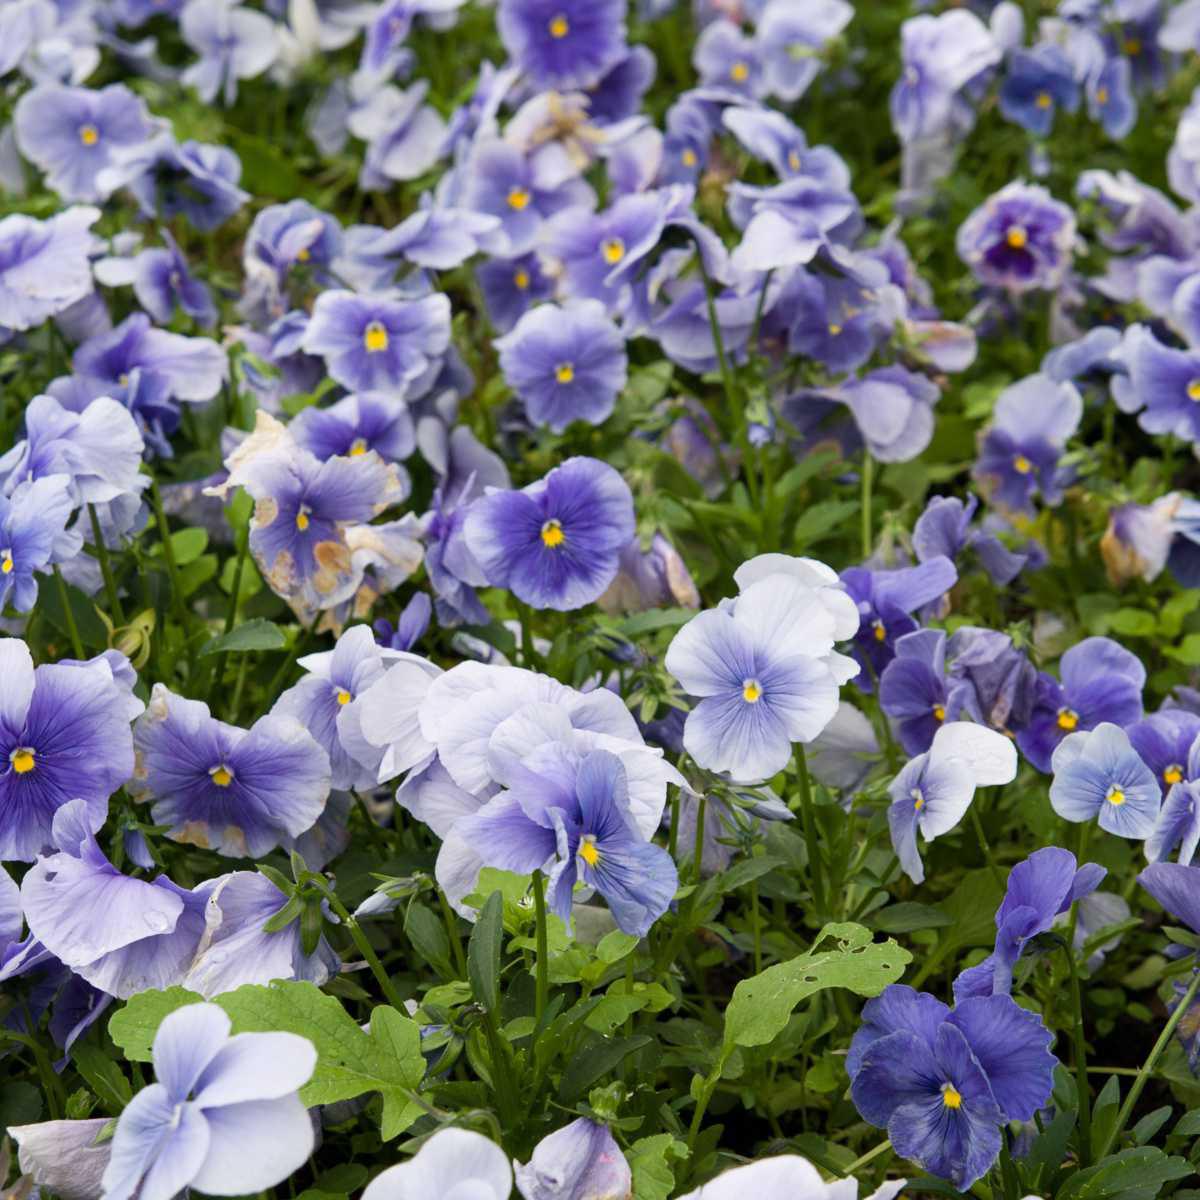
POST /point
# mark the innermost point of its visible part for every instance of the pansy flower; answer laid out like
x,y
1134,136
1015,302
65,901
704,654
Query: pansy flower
x,y
510,286
1098,776
1162,387
72,133
162,281
1101,681
1019,239
565,363
450,1162
792,40
236,791
355,424
1164,740
1040,889
64,734
404,135
933,791
944,528
943,1081
44,266
378,342
33,522
577,1162
1019,452
557,542
232,43
1037,84
562,44
223,1117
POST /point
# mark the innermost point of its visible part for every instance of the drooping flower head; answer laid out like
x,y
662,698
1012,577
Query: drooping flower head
x,y
557,542
223,1117
236,791
1019,239
580,1161
450,1162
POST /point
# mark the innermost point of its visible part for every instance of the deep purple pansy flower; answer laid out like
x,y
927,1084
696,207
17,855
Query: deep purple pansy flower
x,y
562,44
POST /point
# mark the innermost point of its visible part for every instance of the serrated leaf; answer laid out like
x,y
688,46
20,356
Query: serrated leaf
x,y
1137,1174
653,1175
760,1006
133,1027
257,634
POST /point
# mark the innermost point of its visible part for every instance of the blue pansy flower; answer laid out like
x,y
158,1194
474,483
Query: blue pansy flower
x,y
510,286
1099,776
356,424
1165,741
562,44
1038,83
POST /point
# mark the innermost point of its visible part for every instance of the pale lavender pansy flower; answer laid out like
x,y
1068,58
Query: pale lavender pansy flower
x,y
72,133
223,1117
1178,823
1162,387
232,42
381,342
162,281
1099,776
785,1177
944,528
405,136
1019,239
792,39
452,1162
510,286
562,45
283,239
1019,451
933,791
653,578
44,266
33,522
893,410
762,670
580,1161
67,1158
728,61
1165,741
356,424
557,542
566,363
122,935
64,734
236,791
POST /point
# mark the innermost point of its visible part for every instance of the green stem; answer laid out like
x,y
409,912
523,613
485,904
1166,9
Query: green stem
x,y
756,927
543,952
993,866
1081,1069
808,819
698,840
355,930
870,1156
868,483
110,583
72,628
164,532
373,831
451,919
1147,1068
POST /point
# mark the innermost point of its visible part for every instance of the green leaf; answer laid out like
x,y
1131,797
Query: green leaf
x,y
1137,1174
257,634
133,1027
653,1175
103,1076
615,945
20,1104
1133,622
483,953
349,1062
908,916
761,1006
188,545
821,519
594,1061
1187,652
428,936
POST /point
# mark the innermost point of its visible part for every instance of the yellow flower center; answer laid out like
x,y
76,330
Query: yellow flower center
x,y
1022,465
951,1096
688,157
1043,100
918,799
375,337
939,712
518,198
357,447
6,561
1193,390
1133,46
343,696
1016,237
834,329
1173,774
302,254
22,760
1067,719
552,534
879,631
302,520
221,775
521,280
751,691
559,27
739,72
588,851
564,372
89,135
794,161
1102,95
1115,795
613,250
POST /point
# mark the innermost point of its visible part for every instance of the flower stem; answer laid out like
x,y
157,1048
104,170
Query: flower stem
x,y
1147,1068
870,1156
355,930
451,919
868,484
72,628
815,868
110,583
1081,1068
543,954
